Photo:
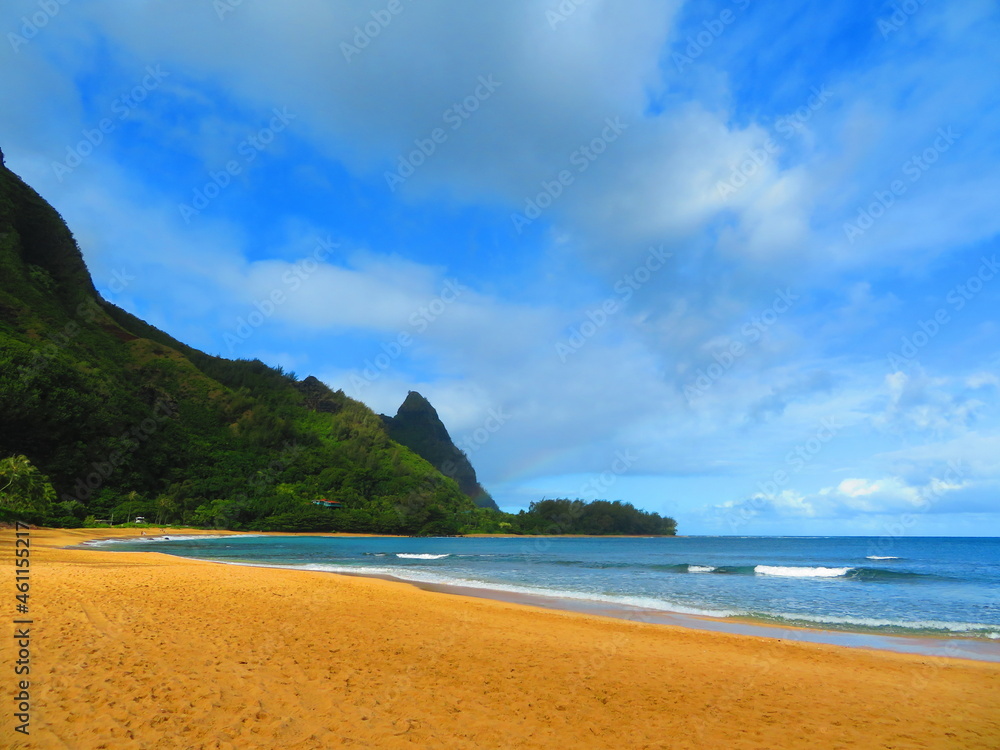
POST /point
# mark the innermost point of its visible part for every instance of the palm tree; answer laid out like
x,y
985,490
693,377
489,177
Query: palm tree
x,y
24,487
165,506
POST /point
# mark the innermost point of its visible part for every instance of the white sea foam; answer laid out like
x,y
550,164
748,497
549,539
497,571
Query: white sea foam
x,y
423,575
795,572
407,556
701,568
981,629
164,538
880,557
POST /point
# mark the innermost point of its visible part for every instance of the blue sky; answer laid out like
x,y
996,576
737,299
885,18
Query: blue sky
x,y
735,262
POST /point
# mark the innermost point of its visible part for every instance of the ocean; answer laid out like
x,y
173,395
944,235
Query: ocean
x,y
942,586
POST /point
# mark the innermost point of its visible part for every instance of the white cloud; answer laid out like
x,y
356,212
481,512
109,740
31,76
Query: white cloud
x,y
982,379
918,403
858,497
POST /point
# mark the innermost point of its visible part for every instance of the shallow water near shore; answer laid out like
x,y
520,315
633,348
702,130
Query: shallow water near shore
x,y
858,590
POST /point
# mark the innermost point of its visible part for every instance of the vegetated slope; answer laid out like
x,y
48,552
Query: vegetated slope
x,y
418,427
125,419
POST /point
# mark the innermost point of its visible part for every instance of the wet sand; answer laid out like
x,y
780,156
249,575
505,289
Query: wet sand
x,y
145,650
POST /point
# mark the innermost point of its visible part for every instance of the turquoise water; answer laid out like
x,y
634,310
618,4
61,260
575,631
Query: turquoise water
x,y
927,586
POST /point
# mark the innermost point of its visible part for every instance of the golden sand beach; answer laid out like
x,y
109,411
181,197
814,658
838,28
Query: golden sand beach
x,y
145,650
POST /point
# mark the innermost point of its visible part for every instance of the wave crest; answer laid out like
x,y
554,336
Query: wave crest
x,y
800,572
421,556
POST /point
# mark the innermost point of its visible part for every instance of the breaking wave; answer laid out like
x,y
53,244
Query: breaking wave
x,y
797,572
408,556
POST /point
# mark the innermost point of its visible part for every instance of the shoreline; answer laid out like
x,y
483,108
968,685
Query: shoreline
x,y
931,645
942,646
137,650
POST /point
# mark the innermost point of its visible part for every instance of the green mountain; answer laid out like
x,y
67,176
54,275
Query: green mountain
x,y
418,427
124,420
103,416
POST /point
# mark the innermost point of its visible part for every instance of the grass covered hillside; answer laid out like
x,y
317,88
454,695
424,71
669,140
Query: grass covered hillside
x,y
122,419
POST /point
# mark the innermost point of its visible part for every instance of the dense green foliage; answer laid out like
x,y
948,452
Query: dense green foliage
x,y
103,416
125,421
597,517
23,487
418,427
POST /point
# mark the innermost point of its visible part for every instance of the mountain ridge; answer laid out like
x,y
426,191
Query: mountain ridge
x,y
418,427
104,416
109,407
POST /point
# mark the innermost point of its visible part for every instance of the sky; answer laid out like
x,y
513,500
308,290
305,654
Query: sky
x,y
735,262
